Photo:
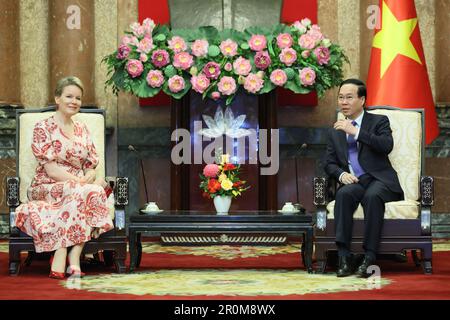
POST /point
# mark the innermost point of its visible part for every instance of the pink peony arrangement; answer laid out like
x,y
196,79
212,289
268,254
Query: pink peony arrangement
x,y
278,77
212,70
160,58
176,84
135,68
216,64
155,78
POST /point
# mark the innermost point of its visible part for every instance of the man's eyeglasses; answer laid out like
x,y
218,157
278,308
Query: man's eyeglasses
x,y
346,98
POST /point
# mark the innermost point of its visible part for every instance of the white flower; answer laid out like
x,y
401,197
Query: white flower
x,y
227,125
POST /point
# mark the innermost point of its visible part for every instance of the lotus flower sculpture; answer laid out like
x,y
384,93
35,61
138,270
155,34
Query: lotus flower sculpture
x,y
224,124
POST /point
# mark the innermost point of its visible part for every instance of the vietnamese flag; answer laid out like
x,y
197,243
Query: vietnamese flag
x,y
398,72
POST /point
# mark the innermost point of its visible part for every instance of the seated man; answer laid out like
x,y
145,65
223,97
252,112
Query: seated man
x,y
357,157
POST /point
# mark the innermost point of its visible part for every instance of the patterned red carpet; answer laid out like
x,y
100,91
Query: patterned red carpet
x,y
226,272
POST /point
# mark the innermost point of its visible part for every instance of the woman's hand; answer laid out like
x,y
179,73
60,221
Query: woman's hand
x,y
89,177
57,173
100,182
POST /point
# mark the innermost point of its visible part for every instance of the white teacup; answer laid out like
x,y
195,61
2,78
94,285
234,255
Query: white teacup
x,y
288,207
152,206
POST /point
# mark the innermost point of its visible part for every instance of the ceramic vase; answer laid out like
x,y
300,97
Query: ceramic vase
x,y
222,204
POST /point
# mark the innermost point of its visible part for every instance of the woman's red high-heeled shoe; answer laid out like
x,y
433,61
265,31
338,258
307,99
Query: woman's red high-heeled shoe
x,y
55,274
73,272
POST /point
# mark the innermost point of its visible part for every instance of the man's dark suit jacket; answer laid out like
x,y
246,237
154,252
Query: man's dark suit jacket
x,y
375,143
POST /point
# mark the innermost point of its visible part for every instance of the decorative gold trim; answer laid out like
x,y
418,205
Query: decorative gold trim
x,y
223,238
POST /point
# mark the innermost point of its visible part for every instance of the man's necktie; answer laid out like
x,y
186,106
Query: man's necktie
x,y
353,154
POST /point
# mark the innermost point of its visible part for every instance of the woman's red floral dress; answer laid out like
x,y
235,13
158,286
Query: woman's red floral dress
x,y
62,214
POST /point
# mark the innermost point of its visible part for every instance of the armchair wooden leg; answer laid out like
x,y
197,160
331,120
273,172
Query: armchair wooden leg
x,y
14,262
415,258
108,257
427,267
427,252
321,258
321,266
120,265
30,258
14,267
119,259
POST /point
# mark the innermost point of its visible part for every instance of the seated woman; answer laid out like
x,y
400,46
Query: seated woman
x,y
67,203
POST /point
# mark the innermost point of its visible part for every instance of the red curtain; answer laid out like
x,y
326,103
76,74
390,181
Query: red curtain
x,y
291,11
158,10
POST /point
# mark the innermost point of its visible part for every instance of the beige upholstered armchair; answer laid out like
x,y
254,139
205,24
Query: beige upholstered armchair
x,y
112,243
407,224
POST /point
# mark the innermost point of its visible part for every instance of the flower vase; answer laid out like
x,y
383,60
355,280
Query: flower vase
x,y
222,204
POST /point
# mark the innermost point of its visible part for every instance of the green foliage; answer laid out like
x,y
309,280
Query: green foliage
x,y
208,33
213,51
232,34
170,71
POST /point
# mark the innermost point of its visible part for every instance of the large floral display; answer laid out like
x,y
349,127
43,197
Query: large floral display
x,y
214,63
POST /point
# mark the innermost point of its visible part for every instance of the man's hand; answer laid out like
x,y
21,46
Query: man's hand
x,y
89,177
348,178
346,126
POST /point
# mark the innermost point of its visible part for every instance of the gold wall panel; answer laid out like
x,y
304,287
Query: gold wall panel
x,y
106,42
72,44
9,60
442,44
34,53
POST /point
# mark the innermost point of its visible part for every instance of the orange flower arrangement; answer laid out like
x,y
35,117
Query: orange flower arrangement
x,y
222,179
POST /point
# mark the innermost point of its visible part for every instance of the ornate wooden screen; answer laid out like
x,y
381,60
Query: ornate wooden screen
x,y
260,114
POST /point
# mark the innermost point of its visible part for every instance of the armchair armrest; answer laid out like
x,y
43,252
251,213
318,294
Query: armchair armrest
x,y
120,187
426,200
320,201
12,191
427,190
13,201
121,191
320,191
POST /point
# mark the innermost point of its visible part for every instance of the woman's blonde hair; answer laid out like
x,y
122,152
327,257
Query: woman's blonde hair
x,y
68,81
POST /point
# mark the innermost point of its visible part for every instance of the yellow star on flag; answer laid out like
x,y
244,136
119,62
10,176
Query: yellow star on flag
x,y
394,39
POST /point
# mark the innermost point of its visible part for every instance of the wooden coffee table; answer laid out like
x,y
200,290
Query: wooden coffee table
x,y
248,222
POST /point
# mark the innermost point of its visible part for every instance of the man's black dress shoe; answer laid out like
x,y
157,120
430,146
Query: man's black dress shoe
x,y
362,269
345,268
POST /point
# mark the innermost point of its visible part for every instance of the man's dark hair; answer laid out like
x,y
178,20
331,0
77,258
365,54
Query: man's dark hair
x,y
362,91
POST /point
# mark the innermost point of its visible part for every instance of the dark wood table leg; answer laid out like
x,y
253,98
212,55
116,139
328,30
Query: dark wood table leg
x,y
303,249
133,249
309,249
139,250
